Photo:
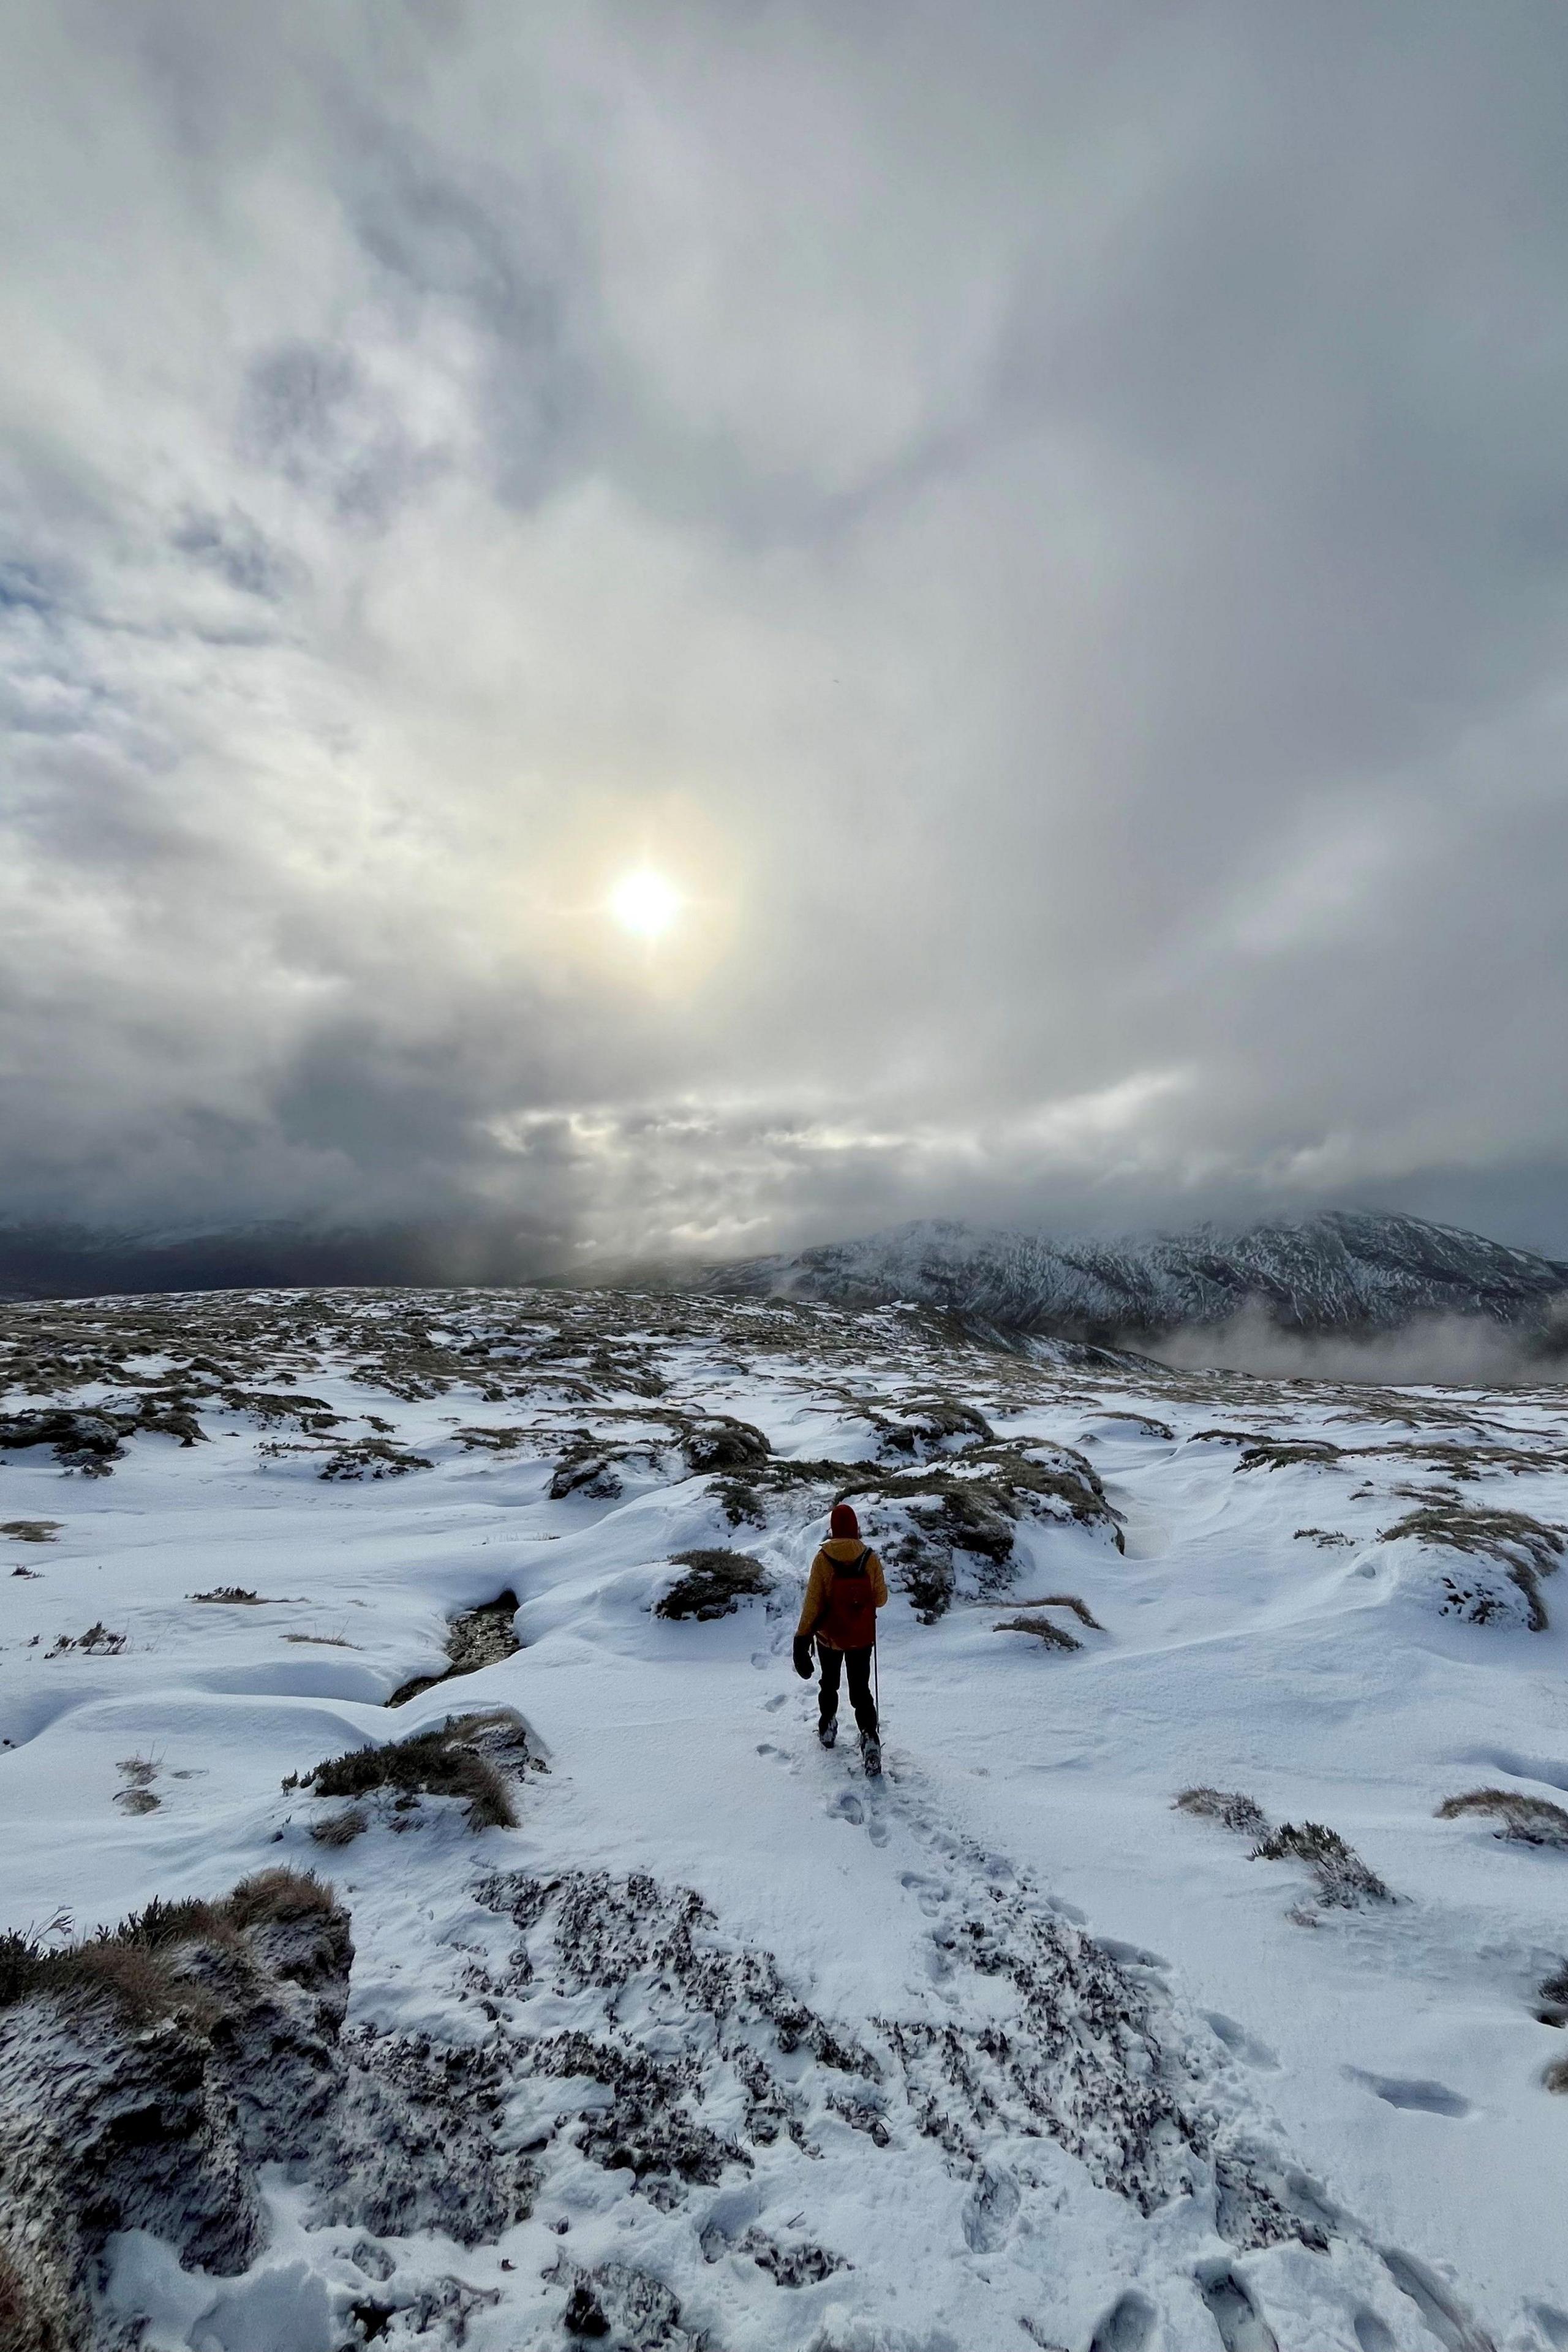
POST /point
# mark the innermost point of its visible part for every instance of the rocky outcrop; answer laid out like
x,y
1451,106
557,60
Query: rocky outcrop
x,y
144,2092
147,2077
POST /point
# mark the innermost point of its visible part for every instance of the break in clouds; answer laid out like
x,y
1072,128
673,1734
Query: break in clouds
x,y
1049,526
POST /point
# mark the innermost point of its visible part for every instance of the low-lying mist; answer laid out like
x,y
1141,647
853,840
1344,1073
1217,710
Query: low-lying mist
x,y
1437,1350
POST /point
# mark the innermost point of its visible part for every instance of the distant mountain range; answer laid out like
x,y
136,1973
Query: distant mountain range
x,y
1342,1274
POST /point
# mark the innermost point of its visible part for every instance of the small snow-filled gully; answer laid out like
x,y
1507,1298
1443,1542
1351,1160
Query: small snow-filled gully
x,y
432,1919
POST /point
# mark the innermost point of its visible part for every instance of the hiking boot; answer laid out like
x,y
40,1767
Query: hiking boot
x,y
871,1755
827,1731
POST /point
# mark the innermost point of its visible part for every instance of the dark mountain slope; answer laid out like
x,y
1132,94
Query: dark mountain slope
x,y
1344,1273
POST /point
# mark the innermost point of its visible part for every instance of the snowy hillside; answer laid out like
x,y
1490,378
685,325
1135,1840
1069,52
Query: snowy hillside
x,y
520,1971
1337,1273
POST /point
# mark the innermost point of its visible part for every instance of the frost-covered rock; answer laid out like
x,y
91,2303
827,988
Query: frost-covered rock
x,y
949,1532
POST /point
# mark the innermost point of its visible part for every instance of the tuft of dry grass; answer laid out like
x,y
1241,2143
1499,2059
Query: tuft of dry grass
x,y
1229,1806
440,1763
1556,2075
1065,1601
1049,1636
341,1829
279,1894
1552,1995
1526,1548
1344,1881
30,1530
97,1642
135,1966
715,1583
1529,1820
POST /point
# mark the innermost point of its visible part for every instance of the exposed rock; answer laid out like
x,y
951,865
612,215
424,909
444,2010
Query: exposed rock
x,y
480,1637
622,2309
109,2121
946,1531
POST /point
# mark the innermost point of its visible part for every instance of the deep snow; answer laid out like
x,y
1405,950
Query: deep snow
x,y
1074,2069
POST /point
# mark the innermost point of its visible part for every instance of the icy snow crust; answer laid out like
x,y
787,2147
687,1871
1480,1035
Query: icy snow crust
x,y
1005,2049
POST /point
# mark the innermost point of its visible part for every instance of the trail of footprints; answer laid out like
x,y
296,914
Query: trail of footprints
x,y
636,2035
983,1914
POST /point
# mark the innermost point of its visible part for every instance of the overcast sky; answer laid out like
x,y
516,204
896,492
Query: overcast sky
x,y
1046,524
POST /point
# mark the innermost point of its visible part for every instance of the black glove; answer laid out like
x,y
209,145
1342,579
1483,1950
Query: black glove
x,y
803,1664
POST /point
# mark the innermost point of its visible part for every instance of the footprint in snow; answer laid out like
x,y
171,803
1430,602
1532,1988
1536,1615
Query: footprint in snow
x,y
1426,2098
771,1705
1241,2326
1442,2314
1125,2328
846,1806
1243,2047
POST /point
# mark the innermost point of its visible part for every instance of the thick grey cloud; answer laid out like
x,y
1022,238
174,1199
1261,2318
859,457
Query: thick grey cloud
x,y
1050,525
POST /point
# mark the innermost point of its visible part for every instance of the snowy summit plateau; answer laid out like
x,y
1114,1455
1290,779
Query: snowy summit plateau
x,y
432,1920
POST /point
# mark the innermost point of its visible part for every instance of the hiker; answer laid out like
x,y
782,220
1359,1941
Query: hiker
x,y
845,1590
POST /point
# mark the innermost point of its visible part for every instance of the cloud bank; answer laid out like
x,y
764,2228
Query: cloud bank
x,y
1049,525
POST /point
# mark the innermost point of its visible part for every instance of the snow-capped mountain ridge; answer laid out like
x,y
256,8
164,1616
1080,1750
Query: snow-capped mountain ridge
x,y
1344,1272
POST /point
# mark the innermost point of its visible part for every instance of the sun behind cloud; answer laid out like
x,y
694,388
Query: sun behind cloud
x,y
645,903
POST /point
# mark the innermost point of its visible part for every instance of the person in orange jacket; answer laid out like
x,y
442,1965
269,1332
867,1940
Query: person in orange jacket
x,y
845,1590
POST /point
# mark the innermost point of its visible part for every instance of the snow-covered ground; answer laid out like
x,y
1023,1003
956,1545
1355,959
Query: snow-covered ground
x,y
1005,2049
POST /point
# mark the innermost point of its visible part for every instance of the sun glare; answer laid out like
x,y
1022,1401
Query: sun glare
x,y
645,904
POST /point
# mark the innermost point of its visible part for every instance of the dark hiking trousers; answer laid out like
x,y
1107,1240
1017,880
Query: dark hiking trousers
x,y
859,1664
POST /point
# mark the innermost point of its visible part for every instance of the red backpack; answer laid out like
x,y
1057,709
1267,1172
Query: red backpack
x,y
850,1620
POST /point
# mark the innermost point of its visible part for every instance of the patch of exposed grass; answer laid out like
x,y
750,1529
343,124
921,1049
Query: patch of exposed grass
x,y
97,1642
1553,1994
1230,1807
715,1583
1143,1421
440,1763
1066,1600
132,1966
30,1530
1526,1548
280,1894
720,1445
341,1829
1344,1881
1049,1636
322,1640
1291,1454
1530,1821
1326,1538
